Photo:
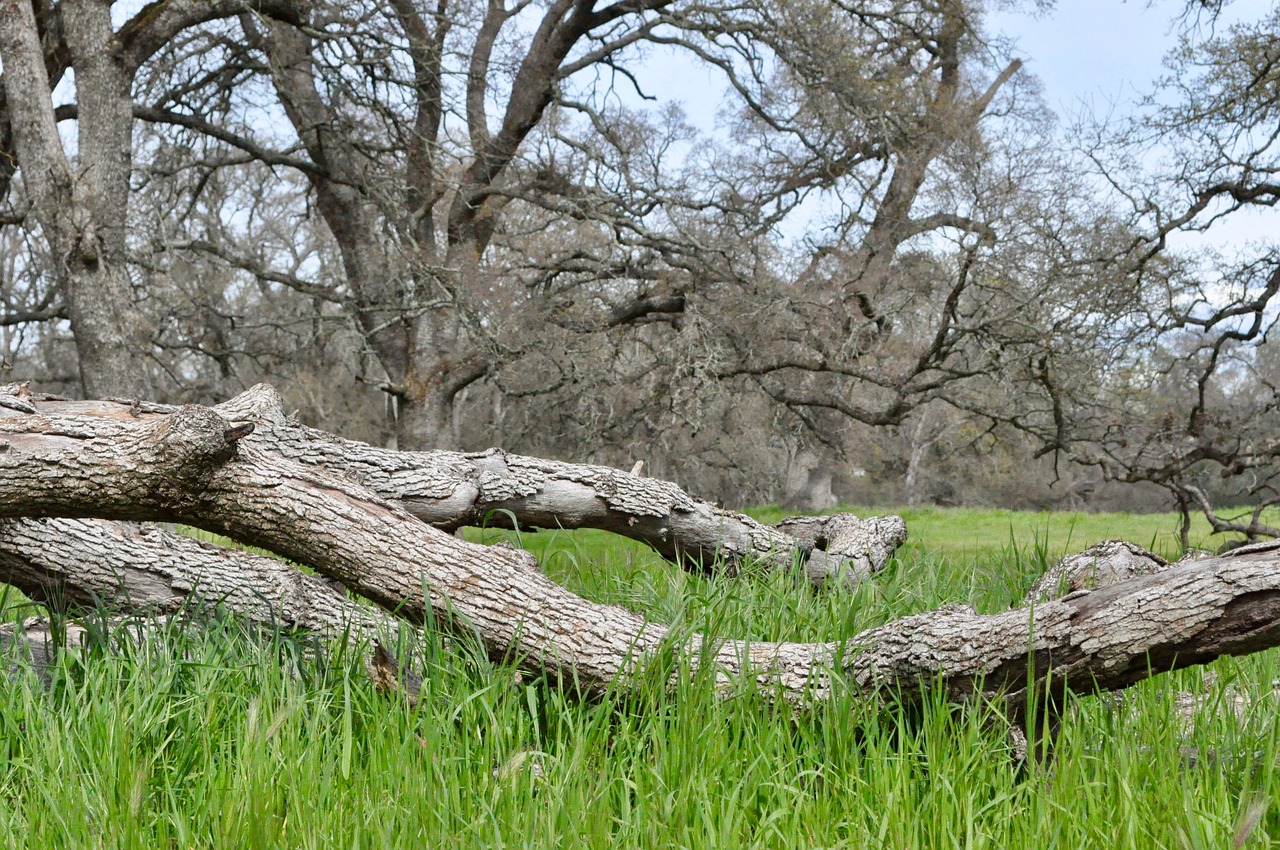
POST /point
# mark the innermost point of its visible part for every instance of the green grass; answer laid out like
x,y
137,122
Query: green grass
x,y
224,738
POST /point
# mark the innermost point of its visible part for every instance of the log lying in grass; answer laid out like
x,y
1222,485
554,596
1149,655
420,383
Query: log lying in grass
x,y
77,563
1107,638
194,466
453,489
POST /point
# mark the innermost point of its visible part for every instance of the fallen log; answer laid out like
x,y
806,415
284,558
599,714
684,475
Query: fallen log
x,y
454,489
195,466
86,564
1101,565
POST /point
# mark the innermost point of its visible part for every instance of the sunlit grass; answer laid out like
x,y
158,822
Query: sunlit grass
x,y
223,737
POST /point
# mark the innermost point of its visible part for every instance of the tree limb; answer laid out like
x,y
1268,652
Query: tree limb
x,y
156,24
450,490
84,563
193,466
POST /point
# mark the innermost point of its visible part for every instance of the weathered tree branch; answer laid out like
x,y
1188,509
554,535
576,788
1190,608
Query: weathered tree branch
x,y
454,489
1098,566
18,317
123,566
156,24
196,466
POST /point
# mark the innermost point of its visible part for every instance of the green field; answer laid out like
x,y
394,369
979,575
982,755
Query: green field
x,y
221,738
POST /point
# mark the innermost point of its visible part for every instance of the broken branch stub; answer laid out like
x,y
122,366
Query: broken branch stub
x,y
1101,565
843,546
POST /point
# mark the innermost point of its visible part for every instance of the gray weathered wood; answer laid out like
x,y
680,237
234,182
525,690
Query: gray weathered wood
x,y
142,568
454,489
191,466
1100,565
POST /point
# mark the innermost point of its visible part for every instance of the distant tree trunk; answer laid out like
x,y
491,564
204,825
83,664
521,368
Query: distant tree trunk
x,y
112,339
915,460
82,212
808,485
425,421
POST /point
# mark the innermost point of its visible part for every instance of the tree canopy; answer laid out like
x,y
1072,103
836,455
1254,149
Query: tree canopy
x,y
456,225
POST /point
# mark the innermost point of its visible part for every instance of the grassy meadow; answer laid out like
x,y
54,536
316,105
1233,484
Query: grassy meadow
x,y
224,738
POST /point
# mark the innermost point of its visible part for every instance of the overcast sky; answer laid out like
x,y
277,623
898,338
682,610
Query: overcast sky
x,y
1097,56
1101,56
1101,52
1091,53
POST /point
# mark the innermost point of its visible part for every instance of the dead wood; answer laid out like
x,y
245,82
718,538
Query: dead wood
x,y
78,563
454,489
195,466
1098,566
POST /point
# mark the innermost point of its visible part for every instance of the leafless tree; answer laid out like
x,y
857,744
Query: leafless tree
x,y
79,199
493,243
425,187
1163,373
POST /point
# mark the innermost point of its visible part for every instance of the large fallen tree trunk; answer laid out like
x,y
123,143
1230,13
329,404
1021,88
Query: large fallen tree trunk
x,y
194,466
453,489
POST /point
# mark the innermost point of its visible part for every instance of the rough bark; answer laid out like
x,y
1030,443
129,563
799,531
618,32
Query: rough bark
x,y
452,489
845,545
1098,566
192,466
76,563
81,211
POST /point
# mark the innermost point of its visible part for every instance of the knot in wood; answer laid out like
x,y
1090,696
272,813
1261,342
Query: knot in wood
x,y
238,432
193,440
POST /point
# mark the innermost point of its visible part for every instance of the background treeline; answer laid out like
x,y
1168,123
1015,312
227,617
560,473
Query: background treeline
x,y
889,274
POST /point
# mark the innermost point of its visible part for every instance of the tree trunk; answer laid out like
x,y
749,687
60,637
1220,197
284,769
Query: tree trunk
x,y
418,339
425,420
193,466
808,485
109,329
83,213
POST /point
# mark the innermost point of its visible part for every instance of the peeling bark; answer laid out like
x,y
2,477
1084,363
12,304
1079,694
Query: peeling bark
x,y
195,466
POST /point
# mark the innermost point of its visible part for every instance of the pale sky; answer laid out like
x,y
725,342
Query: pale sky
x,y
1100,52
1095,56
1091,56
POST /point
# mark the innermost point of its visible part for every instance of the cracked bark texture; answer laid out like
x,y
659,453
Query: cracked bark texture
x,y
195,466
844,545
79,195
79,563
1098,566
454,489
